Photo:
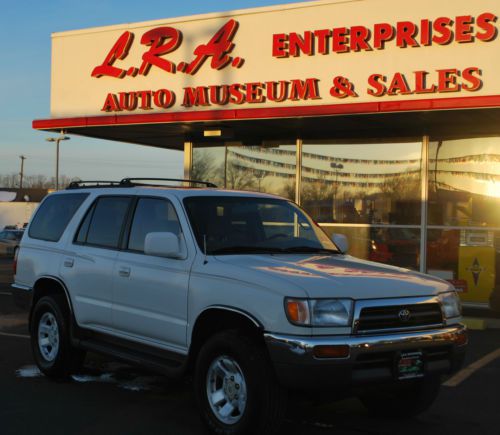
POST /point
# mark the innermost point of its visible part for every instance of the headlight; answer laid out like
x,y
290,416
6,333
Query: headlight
x,y
451,304
319,312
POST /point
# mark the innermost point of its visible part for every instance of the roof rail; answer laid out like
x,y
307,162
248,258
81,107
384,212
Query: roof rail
x,y
81,184
133,181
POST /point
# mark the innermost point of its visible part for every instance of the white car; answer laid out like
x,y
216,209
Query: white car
x,y
242,289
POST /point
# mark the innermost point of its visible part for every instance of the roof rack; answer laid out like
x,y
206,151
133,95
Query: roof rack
x,y
131,182
81,184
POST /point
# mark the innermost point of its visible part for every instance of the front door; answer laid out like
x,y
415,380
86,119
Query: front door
x,y
150,293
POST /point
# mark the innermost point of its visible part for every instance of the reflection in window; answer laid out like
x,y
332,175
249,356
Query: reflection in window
x,y
269,169
394,246
464,182
362,183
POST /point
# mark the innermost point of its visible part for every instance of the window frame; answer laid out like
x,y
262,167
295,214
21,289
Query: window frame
x,y
91,210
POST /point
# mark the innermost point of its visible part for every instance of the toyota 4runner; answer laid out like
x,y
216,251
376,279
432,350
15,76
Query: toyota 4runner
x,y
241,289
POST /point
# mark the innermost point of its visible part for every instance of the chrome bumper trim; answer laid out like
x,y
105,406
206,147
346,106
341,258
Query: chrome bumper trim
x,y
21,287
299,349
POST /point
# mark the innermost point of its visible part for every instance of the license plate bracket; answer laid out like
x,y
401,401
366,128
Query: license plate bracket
x,y
410,365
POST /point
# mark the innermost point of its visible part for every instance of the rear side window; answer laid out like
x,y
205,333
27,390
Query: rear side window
x,y
104,223
54,215
152,215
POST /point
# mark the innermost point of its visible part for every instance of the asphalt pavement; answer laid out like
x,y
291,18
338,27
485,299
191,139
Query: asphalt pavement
x,y
109,397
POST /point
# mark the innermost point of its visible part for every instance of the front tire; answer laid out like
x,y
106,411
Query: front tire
x,y
410,399
236,387
50,338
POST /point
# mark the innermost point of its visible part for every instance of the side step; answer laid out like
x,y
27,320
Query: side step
x,y
166,363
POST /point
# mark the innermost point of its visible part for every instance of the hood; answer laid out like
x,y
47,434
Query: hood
x,y
323,276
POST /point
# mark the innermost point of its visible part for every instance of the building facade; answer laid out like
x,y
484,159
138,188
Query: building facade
x,y
381,119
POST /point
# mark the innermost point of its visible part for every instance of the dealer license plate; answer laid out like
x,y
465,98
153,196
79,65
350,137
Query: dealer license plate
x,y
410,365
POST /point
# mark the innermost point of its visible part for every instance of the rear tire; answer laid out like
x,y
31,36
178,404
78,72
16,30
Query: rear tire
x,y
410,399
50,338
236,387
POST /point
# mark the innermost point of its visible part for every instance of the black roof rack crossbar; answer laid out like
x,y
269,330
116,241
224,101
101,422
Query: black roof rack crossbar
x,y
80,184
132,181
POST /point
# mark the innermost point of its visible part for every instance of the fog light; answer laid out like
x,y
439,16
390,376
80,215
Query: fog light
x,y
338,351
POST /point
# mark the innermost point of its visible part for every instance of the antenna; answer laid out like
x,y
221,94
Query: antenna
x,y
205,248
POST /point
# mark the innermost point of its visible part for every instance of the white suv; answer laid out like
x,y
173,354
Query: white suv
x,y
242,289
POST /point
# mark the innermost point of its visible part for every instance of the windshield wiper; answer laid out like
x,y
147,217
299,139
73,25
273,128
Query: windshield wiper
x,y
245,250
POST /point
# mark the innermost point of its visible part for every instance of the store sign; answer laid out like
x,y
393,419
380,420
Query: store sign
x,y
318,53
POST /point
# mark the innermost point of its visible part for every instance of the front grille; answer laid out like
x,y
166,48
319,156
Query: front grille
x,y
396,317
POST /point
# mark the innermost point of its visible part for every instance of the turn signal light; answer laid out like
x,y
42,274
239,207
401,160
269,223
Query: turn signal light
x,y
461,339
333,351
297,311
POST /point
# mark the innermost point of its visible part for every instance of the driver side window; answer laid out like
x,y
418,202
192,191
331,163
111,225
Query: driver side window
x,y
152,215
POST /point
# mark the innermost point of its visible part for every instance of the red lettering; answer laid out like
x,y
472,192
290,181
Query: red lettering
x,y
398,85
118,51
156,38
447,80
487,22
236,94
127,101
463,28
420,83
405,33
359,38
302,44
164,98
217,48
382,33
271,91
377,82
340,40
195,97
475,83
322,37
425,32
442,27
254,93
145,97
219,95
280,45
304,90
111,104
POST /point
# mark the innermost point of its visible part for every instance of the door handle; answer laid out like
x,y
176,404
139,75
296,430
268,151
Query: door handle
x,y
68,262
124,271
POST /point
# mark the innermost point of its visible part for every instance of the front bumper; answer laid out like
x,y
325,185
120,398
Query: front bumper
x,y
371,360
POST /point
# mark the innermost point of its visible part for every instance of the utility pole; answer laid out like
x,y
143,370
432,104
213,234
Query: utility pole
x,y
23,158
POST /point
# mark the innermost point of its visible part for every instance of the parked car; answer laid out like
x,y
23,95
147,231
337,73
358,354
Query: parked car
x,y
243,290
9,241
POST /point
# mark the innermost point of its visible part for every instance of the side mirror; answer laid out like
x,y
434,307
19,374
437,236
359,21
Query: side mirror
x,y
341,241
162,245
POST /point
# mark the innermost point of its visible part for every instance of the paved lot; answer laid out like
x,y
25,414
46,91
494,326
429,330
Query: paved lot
x,y
112,398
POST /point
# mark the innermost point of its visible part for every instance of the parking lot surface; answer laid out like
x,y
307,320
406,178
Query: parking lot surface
x,y
109,397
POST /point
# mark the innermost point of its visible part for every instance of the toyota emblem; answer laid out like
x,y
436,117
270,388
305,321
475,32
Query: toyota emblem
x,y
404,315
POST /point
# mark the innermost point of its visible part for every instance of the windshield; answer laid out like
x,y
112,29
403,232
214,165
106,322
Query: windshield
x,y
238,225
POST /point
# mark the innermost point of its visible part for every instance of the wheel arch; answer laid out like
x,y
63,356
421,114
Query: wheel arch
x,y
50,285
218,318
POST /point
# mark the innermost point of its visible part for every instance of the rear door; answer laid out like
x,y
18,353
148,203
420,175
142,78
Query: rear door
x,y
150,293
87,268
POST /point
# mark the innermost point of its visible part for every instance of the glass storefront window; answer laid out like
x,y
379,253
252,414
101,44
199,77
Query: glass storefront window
x,y
468,258
464,182
269,169
376,183
393,245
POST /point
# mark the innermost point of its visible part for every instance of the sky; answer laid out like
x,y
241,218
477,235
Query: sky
x,y
25,29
